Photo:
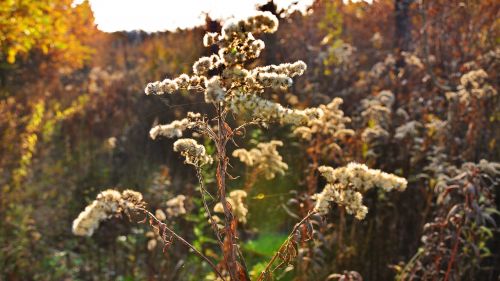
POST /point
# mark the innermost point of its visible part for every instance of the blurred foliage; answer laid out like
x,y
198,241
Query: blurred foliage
x,y
56,29
74,120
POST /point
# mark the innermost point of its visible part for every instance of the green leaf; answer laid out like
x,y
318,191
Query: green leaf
x,y
266,245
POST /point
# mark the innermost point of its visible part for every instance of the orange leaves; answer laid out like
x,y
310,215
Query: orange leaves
x,y
54,28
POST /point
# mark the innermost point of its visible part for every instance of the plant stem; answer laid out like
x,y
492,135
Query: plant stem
x,y
176,236
207,209
230,224
290,236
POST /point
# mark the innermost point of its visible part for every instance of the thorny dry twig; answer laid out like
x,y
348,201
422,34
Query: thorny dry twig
x,y
164,227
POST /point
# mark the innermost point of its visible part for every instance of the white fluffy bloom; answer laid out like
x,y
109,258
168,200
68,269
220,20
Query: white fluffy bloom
x,y
175,206
369,177
169,86
378,104
196,82
108,203
274,80
345,185
204,64
289,69
152,88
265,159
330,122
473,85
231,28
375,133
241,50
412,59
183,81
195,153
303,132
377,40
171,130
473,79
262,22
210,38
214,91
238,207
237,45
256,47
160,215
350,199
229,57
271,111
176,127
341,53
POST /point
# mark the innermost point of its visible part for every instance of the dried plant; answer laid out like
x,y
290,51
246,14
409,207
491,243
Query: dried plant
x,y
455,240
235,91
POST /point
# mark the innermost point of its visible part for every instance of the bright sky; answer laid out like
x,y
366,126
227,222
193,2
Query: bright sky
x,y
160,15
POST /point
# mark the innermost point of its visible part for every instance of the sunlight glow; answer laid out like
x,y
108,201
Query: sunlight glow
x,y
160,15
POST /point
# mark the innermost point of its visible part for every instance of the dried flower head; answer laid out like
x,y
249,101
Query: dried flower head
x,y
345,185
215,92
265,159
330,122
239,209
175,206
171,130
107,204
195,153
262,22
236,88
376,116
210,39
204,64
413,60
271,111
176,127
160,215
473,85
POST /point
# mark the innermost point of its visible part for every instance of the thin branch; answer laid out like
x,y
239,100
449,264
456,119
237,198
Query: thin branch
x,y
176,236
290,236
453,254
204,128
207,209
242,126
243,263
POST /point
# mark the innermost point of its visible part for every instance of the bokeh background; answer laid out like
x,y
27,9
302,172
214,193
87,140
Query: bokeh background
x,y
74,120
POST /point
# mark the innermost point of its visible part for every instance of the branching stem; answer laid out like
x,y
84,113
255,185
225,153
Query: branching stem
x,y
176,236
283,245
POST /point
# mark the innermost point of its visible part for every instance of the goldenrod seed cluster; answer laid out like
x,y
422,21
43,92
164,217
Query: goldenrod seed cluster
x,y
239,209
175,206
271,111
473,85
330,122
346,185
262,22
194,153
107,204
237,88
376,114
265,159
176,127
